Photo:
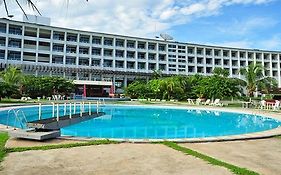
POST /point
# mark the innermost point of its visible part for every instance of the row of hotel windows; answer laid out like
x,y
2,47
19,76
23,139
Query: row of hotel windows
x,y
72,37
29,44
43,33
58,59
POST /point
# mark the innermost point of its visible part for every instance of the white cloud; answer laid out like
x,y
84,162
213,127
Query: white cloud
x,y
136,17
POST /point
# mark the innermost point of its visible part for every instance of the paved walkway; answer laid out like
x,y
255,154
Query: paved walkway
x,y
137,159
263,156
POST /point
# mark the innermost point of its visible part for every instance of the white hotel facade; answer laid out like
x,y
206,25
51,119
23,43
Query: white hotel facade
x,y
100,59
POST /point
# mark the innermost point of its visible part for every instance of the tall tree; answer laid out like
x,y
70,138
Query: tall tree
x,y
255,79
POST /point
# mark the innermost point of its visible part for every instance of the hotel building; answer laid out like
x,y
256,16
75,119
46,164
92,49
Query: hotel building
x,y
98,60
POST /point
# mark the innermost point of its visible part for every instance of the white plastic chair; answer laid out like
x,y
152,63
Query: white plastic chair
x,y
216,103
198,101
263,104
207,102
276,106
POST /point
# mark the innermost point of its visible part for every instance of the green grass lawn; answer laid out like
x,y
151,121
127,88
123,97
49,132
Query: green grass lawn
x,y
3,139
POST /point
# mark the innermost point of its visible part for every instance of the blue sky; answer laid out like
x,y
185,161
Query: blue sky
x,y
237,23
250,25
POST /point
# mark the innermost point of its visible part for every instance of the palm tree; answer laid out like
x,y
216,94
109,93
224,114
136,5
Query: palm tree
x,y
29,2
255,79
12,76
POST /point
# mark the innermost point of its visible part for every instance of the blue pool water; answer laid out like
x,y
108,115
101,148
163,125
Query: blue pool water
x,y
141,122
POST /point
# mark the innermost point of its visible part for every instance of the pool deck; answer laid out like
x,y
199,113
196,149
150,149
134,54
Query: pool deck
x,y
255,135
117,159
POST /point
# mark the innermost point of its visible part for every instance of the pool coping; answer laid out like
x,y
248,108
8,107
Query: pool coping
x,y
249,136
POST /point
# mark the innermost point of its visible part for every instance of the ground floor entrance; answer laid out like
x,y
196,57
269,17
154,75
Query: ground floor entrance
x,y
91,91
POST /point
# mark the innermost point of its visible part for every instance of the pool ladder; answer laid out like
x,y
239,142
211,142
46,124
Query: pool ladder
x,y
19,116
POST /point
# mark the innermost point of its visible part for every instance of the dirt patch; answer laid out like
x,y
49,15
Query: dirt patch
x,y
263,156
14,142
108,159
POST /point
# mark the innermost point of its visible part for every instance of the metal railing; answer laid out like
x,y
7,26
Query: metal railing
x,y
19,117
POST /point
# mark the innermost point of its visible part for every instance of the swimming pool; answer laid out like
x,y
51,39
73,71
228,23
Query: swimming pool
x,y
151,122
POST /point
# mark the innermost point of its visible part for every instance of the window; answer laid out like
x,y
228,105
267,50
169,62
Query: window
x,y
58,47
3,28
58,36
131,44
151,46
108,52
162,47
190,50
141,65
84,39
57,59
15,30
96,51
84,61
119,64
2,54
107,63
71,37
199,51
151,66
96,40
151,56
119,43
12,55
131,65
44,34
119,53
141,45
162,67
141,55
130,54
162,57
84,50
70,60
108,41
14,43
2,41
70,49
96,62
30,31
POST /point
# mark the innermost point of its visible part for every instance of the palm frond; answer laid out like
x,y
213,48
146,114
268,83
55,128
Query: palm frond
x,y
33,6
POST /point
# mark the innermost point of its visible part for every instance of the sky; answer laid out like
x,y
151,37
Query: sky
x,y
234,23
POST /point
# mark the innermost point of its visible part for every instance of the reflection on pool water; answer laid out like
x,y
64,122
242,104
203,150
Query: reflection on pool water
x,y
142,122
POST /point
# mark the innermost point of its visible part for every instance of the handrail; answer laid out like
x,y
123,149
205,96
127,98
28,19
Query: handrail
x,y
17,118
8,116
24,117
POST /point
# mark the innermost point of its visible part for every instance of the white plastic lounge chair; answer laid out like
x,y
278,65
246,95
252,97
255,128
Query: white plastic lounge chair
x,y
198,101
216,103
207,102
276,106
263,104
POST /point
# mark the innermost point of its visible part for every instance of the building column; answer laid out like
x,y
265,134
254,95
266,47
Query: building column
x,y
125,81
84,91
